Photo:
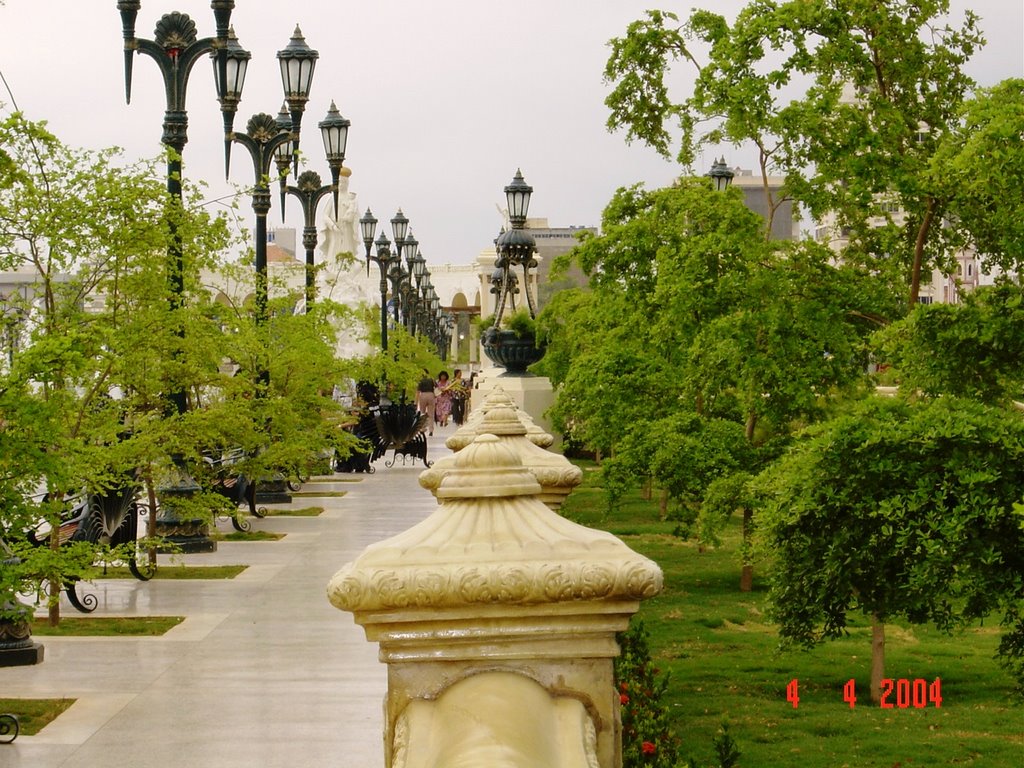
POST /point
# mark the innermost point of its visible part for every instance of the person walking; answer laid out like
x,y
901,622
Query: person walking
x,y
426,401
459,395
443,404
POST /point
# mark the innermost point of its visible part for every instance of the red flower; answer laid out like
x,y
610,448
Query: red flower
x,y
648,748
623,698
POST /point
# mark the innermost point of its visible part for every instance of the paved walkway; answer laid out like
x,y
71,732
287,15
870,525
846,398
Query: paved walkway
x,y
263,672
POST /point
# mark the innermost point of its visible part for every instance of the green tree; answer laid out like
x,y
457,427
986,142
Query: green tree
x,y
882,87
95,352
974,349
898,509
695,317
982,168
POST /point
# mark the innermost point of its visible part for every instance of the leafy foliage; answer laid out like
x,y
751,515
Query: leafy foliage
x,y
898,509
972,349
647,738
850,101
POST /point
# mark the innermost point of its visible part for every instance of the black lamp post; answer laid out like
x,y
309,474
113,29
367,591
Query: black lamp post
x,y
397,276
297,62
382,258
175,48
264,136
309,190
515,247
721,175
399,230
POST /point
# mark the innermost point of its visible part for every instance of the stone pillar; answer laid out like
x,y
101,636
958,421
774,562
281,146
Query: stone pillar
x,y
555,473
533,394
497,621
496,398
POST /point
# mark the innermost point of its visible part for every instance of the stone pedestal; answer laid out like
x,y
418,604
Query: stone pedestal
x,y
555,473
497,620
22,657
532,394
497,398
16,646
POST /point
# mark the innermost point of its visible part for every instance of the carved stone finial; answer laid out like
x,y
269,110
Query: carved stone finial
x,y
494,605
487,469
497,398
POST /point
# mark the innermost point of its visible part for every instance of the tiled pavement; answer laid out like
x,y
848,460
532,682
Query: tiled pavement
x,y
263,672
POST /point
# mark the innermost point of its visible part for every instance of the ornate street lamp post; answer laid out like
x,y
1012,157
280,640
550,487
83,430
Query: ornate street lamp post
x,y
175,48
309,190
721,175
261,138
368,226
515,247
264,136
397,276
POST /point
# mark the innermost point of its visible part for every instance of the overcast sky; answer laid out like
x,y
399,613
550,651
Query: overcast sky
x,y
447,98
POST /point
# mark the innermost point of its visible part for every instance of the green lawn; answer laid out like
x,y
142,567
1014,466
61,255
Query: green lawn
x,y
107,626
176,572
296,512
33,714
723,661
249,536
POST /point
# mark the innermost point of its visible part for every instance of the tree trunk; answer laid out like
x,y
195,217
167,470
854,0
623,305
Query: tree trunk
x,y
151,518
747,573
877,658
645,489
53,608
922,238
663,504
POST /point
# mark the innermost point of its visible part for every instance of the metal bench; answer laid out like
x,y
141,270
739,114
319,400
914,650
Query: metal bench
x,y
110,518
8,728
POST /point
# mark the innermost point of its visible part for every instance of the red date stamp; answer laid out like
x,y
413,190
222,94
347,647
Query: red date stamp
x,y
899,694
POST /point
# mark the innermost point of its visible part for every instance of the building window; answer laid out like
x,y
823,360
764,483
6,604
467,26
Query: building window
x,y
924,299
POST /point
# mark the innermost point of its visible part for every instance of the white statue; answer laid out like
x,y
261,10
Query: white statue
x,y
340,234
506,221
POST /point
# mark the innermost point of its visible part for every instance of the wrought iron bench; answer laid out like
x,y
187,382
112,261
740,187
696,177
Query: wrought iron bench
x,y
110,518
230,482
8,728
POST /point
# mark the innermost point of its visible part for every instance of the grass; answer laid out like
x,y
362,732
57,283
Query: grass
x,y
318,494
34,714
104,626
177,572
249,536
723,660
301,512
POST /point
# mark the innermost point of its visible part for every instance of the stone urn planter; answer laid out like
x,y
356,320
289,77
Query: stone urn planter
x,y
513,353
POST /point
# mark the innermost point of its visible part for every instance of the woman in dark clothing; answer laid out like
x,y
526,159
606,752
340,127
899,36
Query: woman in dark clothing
x,y
425,399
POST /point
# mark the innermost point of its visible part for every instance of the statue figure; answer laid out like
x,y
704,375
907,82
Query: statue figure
x,y
340,234
506,221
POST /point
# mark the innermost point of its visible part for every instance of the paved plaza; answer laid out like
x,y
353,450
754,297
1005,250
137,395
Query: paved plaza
x,y
262,672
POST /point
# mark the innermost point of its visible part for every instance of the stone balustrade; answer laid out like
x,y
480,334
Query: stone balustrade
x,y
497,398
497,618
555,473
